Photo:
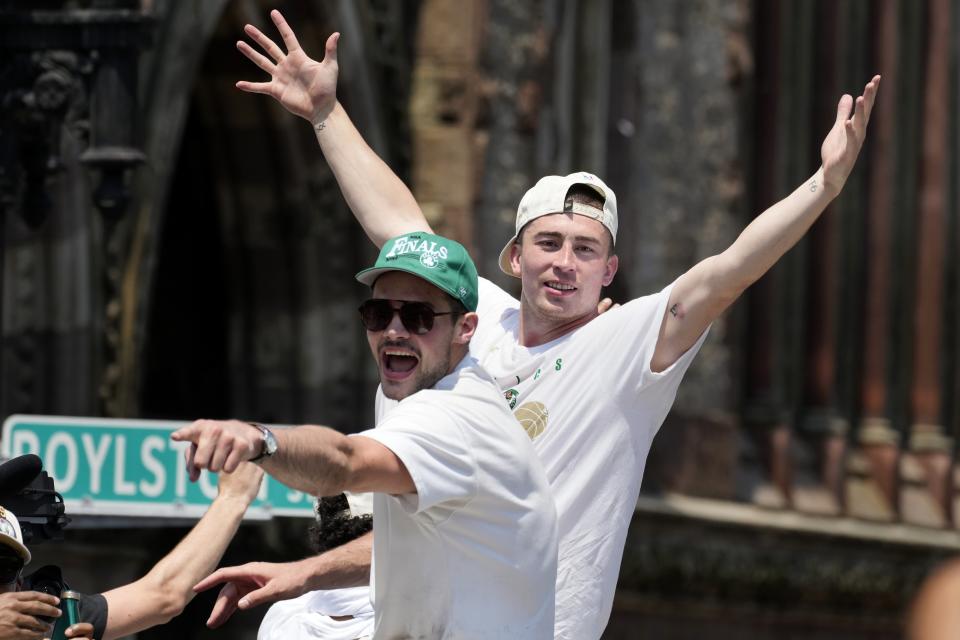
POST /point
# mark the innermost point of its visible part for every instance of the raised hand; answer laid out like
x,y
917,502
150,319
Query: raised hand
x,y
304,87
842,144
253,584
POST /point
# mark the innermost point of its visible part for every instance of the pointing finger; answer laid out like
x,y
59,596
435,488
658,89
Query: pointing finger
x,y
189,433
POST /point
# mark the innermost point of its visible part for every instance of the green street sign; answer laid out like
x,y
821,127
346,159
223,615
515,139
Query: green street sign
x,y
106,466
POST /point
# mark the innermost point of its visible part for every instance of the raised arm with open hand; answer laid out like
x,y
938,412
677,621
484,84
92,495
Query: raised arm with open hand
x,y
381,202
304,87
704,292
843,143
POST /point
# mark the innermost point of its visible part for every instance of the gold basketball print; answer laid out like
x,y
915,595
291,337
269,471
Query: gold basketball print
x,y
532,416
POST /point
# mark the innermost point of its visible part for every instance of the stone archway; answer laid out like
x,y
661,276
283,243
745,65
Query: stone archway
x,y
285,247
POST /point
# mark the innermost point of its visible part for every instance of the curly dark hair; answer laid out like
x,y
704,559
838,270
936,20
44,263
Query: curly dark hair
x,y
335,526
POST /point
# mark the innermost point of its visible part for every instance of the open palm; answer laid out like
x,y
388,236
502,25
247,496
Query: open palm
x,y
304,87
842,145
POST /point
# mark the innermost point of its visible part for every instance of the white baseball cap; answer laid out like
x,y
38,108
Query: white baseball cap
x,y
11,535
548,196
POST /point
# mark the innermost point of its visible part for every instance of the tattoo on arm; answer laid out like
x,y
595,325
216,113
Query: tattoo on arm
x,y
676,310
320,126
813,183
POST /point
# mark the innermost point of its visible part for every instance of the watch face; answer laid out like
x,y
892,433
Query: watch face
x,y
269,442
269,446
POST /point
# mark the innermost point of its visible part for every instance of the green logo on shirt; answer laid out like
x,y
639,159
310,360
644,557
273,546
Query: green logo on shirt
x,y
511,395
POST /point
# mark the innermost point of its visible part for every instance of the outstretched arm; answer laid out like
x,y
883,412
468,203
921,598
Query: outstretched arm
x,y
315,460
703,293
162,594
258,583
381,202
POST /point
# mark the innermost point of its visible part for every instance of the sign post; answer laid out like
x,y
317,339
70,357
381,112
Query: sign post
x,y
118,467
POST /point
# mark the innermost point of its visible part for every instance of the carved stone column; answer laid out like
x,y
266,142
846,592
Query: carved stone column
x,y
58,55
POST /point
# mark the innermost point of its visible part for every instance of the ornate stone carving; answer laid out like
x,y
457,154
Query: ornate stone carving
x,y
46,91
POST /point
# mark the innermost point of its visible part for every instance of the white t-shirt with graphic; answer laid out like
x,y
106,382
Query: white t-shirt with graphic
x,y
472,554
592,406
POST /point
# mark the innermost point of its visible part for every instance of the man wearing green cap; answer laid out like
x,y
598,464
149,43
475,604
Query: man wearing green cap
x,y
465,542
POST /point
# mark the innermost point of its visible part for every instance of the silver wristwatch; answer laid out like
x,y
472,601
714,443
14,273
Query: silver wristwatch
x,y
269,446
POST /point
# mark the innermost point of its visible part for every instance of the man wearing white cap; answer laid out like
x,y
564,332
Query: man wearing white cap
x,y
591,391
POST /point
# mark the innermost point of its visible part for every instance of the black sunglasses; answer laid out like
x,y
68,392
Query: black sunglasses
x,y
417,317
10,568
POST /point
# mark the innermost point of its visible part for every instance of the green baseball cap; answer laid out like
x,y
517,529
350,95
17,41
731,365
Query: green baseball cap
x,y
440,261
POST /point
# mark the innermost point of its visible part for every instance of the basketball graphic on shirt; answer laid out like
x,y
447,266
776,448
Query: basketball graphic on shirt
x,y
532,416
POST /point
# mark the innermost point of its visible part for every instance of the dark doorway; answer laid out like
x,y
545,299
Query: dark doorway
x,y
186,345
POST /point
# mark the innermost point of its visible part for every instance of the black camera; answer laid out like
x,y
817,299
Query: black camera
x,y
47,579
28,492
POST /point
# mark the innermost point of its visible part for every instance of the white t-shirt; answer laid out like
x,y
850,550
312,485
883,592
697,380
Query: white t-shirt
x,y
592,406
309,616
472,554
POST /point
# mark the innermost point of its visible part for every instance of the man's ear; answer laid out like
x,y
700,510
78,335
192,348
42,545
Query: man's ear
x,y
613,263
466,327
515,259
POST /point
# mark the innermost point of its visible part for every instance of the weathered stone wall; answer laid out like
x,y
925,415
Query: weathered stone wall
x,y
647,94
444,104
676,160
